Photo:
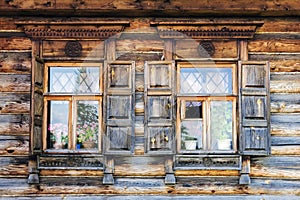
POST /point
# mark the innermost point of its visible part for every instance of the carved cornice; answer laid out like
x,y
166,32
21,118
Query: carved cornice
x,y
207,30
77,30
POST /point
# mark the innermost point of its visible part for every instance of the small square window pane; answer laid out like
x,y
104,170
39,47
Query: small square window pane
x,y
87,126
58,112
193,109
74,80
205,80
191,134
221,125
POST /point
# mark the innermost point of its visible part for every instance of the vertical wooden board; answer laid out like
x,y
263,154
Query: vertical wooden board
x,y
14,145
119,138
14,124
15,83
118,107
255,138
159,107
14,103
189,49
90,49
14,166
254,107
15,62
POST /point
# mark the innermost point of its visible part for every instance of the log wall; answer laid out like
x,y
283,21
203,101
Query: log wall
x,y
276,41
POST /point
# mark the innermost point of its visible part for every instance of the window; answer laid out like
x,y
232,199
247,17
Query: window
x,y
72,107
206,107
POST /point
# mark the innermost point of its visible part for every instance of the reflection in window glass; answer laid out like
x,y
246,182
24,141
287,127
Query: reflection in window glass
x,y
74,79
191,134
205,80
193,109
87,126
221,125
58,124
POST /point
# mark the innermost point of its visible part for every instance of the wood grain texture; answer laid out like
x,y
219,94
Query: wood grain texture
x,y
14,83
14,103
14,166
285,103
14,145
273,45
15,62
14,124
15,43
285,66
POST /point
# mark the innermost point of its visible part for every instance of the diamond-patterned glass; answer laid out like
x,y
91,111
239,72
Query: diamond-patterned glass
x,y
205,80
74,80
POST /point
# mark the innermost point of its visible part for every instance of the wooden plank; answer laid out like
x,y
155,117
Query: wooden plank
x,y
14,103
14,124
189,49
206,173
14,145
285,82
135,169
280,141
285,66
73,173
263,56
285,103
139,56
286,150
14,83
285,118
136,45
14,166
15,62
273,45
33,4
90,49
285,129
279,25
15,43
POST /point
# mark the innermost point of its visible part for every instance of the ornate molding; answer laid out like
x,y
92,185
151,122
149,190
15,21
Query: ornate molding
x,y
206,48
207,30
82,30
208,162
73,49
70,162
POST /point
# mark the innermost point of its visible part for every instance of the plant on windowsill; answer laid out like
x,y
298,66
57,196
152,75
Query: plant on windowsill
x,y
87,135
58,136
190,142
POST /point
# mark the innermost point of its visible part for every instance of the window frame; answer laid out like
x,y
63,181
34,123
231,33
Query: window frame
x,y
72,98
206,99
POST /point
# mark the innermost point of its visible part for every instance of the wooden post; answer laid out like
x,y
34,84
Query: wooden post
x,y
170,177
108,178
244,173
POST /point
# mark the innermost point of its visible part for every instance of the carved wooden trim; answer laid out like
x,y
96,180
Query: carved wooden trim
x,y
58,30
208,162
70,162
205,30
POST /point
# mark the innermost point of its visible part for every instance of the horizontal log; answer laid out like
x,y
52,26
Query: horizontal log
x,y
285,129
139,56
285,118
285,66
15,83
286,150
280,36
285,103
285,86
139,170
45,173
281,141
206,173
279,25
15,62
90,49
139,45
278,45
14,166
14,103
14,124
15,43
189,49
14,145
262,56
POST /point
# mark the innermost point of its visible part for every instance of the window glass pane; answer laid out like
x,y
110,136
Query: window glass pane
x,y
205,80
58,112
221,125
191,134
193,109
74,80
87,126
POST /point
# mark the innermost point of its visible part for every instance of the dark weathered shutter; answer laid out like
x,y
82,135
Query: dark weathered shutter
x,y
159,101
119,93
254,99
38,84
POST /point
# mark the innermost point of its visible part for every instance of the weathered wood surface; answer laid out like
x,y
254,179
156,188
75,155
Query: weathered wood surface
x,y
283,7
56,49
63,173
285,66
285,103
274,45
288,82
14,124
14,83
15,43
14,166
14,103
189,49
14,145
15,62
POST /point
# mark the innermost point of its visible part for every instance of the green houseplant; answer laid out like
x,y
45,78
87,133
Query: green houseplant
x,y
189,141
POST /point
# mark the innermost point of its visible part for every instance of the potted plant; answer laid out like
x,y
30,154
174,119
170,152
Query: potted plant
x,y
190,142
87,135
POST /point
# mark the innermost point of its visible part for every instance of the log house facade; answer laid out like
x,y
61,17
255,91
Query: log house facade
x,y
143,68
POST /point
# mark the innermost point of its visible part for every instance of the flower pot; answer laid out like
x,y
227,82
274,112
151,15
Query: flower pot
x,y
88,144
190,144
224,144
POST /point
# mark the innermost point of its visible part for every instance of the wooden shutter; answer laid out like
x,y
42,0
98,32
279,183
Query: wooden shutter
x,y
38,84
254,104
119,97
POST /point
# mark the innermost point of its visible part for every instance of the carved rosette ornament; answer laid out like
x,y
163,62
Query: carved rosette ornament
x,y
206,49
73,49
